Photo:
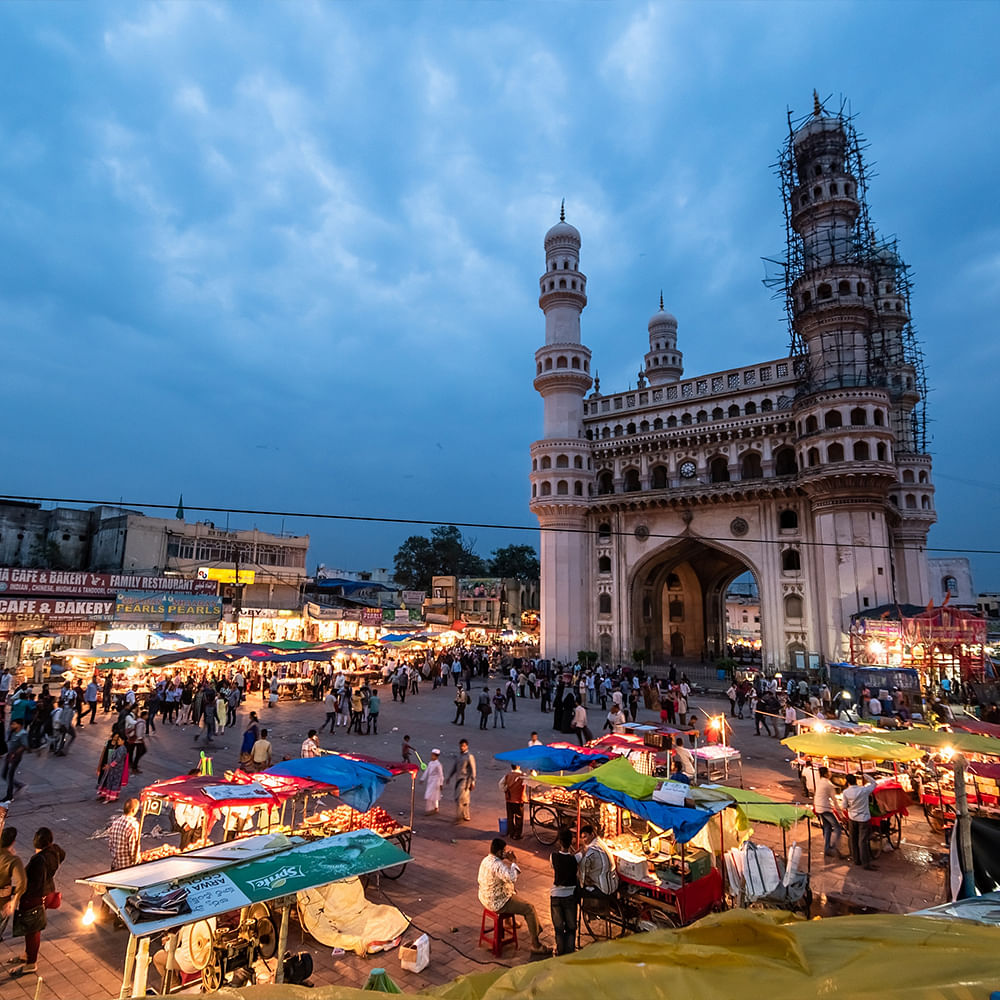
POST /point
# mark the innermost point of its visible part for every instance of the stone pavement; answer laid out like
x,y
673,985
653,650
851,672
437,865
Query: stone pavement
x,y
438,890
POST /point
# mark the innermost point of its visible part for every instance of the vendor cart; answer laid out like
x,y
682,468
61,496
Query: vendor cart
x,y
889,807
216,921
553,809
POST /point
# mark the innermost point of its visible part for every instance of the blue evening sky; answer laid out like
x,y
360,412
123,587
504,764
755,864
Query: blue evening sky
x,y
285,255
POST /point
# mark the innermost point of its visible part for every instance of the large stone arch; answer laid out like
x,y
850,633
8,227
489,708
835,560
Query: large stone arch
x,y
677,598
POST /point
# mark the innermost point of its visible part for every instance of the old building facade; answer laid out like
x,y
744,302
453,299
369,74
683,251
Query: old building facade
x,y
808,470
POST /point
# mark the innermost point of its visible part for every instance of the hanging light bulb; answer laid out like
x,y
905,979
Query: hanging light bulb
x,y
89,916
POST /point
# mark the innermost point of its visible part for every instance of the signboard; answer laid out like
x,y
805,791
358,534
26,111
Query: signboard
x,y
414,598
266,613
153,607
284,873
222,575
251,790
371,616
483,588
66,583
53,609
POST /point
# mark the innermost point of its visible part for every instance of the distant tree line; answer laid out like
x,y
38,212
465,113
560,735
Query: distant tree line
x,y
448,553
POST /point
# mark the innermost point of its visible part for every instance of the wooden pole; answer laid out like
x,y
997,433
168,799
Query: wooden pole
x,y
126,990
963,830
141,968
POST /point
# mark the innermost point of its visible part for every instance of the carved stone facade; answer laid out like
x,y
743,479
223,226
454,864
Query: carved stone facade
x,y
803,469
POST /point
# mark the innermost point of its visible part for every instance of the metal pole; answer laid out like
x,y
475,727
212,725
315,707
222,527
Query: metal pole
x,y
279,972
963,830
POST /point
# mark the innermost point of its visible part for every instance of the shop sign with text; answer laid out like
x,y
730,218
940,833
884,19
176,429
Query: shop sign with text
x,y
153,607
70,583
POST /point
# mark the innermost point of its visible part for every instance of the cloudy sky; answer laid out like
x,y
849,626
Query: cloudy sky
x,y
285,256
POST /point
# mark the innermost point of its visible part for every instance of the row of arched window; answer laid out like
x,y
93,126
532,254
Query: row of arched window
x,y
835,189
860,452
910,502
685,420
562,284
562,462
748,467
562,362
825,291
562,489
793,607
858,417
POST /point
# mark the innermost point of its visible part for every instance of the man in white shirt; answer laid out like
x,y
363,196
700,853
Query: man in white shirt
x,y
790,720
857,801
824,796
498,872
684,758
874,707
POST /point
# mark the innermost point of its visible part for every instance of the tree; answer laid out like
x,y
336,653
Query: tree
x,y
445,553
515,562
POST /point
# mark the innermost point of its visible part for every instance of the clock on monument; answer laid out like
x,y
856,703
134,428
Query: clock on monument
x,y
688,469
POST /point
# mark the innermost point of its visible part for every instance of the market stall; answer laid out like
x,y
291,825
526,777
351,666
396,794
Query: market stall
x,y
209,908
662,880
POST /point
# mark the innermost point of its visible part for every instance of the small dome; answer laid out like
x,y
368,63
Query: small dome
x,y
563,232
663,319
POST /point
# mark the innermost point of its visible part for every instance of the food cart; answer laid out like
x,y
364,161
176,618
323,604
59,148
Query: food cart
x,y
212,908
844,755
661,880
344,818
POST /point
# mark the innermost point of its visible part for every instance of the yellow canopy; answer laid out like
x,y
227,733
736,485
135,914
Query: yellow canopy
x,y
937,738
863,747
618,774
736,955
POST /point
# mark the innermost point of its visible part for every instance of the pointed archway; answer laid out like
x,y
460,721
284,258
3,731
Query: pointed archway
x,y
678,599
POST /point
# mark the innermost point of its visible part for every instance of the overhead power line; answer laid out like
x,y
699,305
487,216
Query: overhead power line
x,y
430,522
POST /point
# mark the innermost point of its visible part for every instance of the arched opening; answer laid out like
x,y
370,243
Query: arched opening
x,y
577,488
788,520
911,502
835,453
750,409
785,463
923,476
734,410
686,419
677,600
546,462
659,478
859,418
671,421
605,482
577,461
548,364
576,363
793,607
950,586
604,564
534,465
750,467
718,413
604,533
562,461
813,457
561,362
604,604
879,418
631,483
643,426
833,419
925,503
619,430
546,489
907,475
880,451
657,424
719,470
791,561
562,488
630,429
812,425
766,406
701,417
861,451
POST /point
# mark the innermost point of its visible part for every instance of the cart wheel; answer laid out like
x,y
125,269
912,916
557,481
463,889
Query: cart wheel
x,y
894,832
211,976
875,842
545,825
935,819
267,937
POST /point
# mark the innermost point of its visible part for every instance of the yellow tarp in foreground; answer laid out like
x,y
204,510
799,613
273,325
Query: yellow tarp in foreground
x,y
738,956
865,747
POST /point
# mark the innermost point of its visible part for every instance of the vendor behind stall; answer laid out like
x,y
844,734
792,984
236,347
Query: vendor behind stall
x,y
598,876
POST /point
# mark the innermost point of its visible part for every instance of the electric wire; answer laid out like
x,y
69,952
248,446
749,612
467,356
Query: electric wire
x,y
433,522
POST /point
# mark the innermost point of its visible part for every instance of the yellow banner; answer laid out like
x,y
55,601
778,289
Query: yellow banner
x,y
223,575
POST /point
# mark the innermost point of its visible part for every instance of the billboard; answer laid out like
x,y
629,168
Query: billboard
x,y
73,583
220,574
137,606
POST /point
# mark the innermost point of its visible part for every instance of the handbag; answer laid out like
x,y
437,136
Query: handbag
x,y
53,900
28,921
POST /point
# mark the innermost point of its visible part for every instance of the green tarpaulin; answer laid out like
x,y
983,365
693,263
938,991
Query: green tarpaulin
x,y
755,807
937,738
618,774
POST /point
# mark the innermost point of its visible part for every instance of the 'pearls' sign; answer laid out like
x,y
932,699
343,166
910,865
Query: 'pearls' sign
x,y
153,607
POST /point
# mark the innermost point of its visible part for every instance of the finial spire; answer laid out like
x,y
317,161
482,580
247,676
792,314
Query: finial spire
x,y
661,300
817,105
562,211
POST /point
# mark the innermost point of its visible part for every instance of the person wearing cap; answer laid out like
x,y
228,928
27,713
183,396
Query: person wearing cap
x,y
433,782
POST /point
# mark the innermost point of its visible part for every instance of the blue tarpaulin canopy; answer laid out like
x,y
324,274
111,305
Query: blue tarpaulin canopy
x,y
550,759
359,783
684,822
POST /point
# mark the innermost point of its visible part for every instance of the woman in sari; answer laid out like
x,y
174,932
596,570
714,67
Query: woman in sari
x,y
112,772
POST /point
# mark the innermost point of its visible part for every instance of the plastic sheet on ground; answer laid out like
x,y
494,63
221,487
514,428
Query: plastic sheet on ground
x,y
339,916
740,955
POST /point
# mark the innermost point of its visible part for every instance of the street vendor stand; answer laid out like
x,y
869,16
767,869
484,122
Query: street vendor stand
x,y
661,880
713,761
889,801
228,884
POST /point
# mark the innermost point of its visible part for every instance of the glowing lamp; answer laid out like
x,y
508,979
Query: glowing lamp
x,y
89,916
818,727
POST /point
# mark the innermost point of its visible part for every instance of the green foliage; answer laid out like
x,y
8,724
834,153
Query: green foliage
x,y
640,656
445,553
517,562
586,657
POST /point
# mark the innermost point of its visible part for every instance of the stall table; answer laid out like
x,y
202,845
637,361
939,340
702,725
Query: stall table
x,y
713,762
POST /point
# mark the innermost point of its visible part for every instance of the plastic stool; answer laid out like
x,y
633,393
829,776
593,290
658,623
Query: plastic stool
x,y
497,930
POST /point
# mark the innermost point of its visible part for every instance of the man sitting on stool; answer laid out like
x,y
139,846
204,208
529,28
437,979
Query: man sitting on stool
x,y
598,877
498,872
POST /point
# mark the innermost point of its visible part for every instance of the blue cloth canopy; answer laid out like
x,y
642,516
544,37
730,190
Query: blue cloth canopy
x,y
550,759
684,822
359,783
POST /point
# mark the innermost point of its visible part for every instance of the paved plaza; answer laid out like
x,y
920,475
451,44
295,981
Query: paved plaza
x,y
438,890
